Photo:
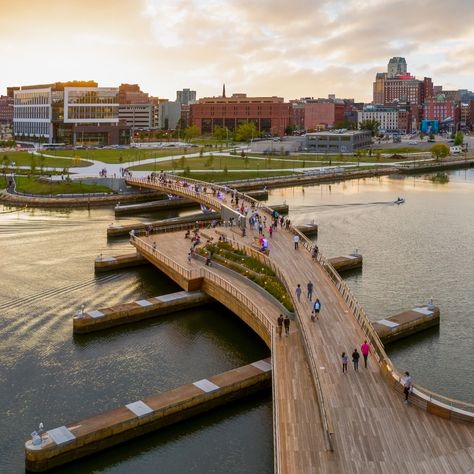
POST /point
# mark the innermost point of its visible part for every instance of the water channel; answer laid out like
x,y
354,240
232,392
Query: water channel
x,y
411,252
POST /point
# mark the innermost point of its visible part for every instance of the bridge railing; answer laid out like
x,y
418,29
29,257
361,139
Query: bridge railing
x,y
377,346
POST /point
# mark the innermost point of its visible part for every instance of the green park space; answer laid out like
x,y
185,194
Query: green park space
x,y
23,158
116,156
219,177
33,185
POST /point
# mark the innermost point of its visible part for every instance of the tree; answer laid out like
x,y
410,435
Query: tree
x,y
289,129
458,139
345,124
439,150
191,132
220,133
371,125
182,162
246,131
210,160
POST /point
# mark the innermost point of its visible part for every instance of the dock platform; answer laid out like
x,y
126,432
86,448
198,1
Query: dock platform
x,y
75,440
407,323
98,319
346,262
105,263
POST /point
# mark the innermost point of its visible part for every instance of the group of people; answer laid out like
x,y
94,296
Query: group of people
x,y
364,349
316,306
283,321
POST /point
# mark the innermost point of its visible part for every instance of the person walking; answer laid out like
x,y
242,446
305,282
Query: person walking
x,y
365,349
280,324
296,241
298,292
345,359
316,309
270,231
310,287
286,323
355,359
407,385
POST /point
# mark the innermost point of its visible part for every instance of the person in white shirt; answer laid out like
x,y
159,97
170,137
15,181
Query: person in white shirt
x,y
296,240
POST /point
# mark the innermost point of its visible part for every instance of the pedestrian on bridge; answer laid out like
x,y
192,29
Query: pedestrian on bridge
x,y
280,324
355,359
286,322
310,287
345,359
296,241
316,309
407,385
298,292
365,349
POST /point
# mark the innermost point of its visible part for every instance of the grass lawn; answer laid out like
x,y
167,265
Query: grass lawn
x,y
401,149
124,156
237,175
3,182
337,158
23,158
221,162
35,186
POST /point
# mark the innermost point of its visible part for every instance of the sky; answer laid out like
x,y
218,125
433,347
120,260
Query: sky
x,y
292,49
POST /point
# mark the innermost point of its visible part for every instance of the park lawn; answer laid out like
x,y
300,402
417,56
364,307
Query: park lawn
x,y
221,162
3,182
401,149
115,156
325,159
236,175
23,158
34,186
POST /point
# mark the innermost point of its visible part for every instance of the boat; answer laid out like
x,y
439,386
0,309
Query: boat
x,y
399,201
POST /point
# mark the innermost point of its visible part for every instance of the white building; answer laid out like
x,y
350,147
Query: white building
x,y
386,117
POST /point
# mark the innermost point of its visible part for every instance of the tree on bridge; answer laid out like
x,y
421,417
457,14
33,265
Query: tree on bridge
x,y
439,150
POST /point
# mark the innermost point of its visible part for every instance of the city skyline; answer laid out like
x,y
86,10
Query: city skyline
x,y
269,48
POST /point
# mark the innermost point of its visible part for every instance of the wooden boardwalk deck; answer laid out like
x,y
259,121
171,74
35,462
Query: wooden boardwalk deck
x,y
374,431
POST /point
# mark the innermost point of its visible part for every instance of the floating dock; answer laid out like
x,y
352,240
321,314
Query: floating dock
x,y
106,263
308,229
116,230
346,262
125,313
407,323
67,443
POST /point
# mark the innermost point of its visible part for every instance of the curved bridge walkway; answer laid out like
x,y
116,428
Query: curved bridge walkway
x,y
325,421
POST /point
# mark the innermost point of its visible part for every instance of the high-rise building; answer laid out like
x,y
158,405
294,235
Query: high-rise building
x,y
269,114
76,113
186,97
396,67
398,86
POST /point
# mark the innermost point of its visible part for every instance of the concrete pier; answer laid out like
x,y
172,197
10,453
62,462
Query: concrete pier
x,y
105,263
407,323
346,262
75,440
125,313
308,229
116,230
282,209
161,205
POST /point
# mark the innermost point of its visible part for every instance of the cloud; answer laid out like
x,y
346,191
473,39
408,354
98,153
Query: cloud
x,y
269,47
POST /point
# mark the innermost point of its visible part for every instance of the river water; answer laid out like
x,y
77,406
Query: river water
x,y
411,252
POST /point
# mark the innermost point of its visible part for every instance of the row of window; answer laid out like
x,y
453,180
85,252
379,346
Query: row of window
x,y
92,112
39,112
31,128
92,97
32,98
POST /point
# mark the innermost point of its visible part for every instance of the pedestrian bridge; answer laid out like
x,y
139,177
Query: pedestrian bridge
x,y
324,421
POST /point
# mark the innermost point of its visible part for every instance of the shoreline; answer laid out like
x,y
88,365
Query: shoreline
x,y
86,201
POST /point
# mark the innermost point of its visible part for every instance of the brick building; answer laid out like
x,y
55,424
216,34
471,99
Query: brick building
x,y
6,110
322,114
443,110
271,115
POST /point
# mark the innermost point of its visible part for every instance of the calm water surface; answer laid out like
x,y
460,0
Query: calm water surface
x,y
48,375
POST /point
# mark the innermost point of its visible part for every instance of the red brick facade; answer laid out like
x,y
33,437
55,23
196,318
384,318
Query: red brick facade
x,y
270,114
